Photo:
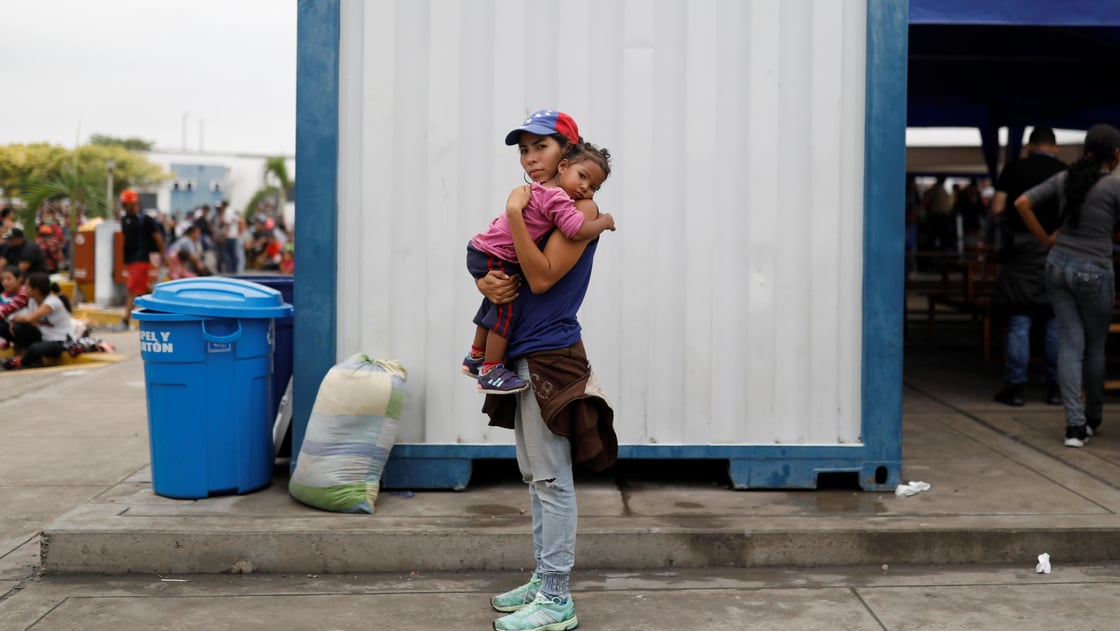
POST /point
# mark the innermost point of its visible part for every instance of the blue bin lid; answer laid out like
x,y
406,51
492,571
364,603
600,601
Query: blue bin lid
x,y
143,315
216,296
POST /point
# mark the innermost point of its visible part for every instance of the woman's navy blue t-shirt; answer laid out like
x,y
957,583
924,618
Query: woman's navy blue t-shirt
x,y
548,321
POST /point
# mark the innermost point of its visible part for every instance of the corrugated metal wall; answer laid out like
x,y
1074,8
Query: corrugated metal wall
x,y
726,308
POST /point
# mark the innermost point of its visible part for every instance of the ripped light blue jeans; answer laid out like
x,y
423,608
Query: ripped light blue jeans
x,y
545,461
1082,293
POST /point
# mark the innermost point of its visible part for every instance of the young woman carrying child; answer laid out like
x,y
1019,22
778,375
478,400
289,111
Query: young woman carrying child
x,y
578,175
557,269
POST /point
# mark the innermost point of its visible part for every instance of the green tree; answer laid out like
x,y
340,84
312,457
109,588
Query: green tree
x,y
39,172
18,163
134,144
277,183
82,186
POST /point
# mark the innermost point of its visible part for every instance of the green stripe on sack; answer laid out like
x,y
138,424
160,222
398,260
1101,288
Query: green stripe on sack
x,y
344,498
396,402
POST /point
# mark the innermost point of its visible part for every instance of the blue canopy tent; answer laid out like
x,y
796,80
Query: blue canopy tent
x,y
1014,64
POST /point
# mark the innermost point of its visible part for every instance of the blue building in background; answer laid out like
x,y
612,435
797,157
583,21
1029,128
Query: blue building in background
x,y
197,184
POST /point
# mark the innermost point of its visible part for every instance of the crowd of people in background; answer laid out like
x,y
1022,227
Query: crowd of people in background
x,y
227,242
35,314
949,217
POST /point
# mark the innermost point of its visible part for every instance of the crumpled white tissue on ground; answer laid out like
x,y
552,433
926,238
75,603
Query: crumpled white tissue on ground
x,y
913,488
1043,566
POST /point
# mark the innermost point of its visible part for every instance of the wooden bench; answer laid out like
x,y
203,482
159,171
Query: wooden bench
x,y
966,288
928,276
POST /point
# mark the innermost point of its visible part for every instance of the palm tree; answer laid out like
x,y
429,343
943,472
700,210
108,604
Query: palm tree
x,y
83,187
277,185
278,169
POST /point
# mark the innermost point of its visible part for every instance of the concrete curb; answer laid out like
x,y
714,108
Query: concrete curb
x,y
314,545
333,553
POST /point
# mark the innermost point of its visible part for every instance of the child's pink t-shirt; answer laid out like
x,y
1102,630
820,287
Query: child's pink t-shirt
x,y
548,207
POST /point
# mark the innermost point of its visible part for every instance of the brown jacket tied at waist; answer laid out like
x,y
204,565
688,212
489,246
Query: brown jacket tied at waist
x,y
572,404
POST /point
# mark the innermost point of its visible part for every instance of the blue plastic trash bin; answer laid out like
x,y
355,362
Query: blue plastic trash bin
x,y
207,345
282,355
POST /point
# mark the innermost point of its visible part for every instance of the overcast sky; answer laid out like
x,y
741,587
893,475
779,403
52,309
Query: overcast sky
x,y
142,68
138,68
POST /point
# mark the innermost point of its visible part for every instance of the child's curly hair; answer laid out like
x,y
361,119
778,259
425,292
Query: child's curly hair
x,y
584,151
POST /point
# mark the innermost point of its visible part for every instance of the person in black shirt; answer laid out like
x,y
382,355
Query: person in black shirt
x,y
142,238
22,253
1020,293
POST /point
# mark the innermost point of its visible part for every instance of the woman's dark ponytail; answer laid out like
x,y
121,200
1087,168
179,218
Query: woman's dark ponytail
x,y
1080,177
1101,143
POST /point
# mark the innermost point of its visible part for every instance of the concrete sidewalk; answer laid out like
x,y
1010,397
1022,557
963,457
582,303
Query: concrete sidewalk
x,y
1077,598
1004,489
74,464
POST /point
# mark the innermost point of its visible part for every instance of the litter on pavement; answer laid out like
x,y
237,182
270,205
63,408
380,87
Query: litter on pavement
x,y
913,488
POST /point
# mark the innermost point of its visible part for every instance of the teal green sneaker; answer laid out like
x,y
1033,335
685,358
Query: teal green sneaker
x,y
517,597
543,614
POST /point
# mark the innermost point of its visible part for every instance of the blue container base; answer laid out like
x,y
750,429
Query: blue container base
x,y
795,473
198,493
435,466
427,473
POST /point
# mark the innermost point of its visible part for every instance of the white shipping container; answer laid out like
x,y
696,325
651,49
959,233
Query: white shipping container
x,y
725,317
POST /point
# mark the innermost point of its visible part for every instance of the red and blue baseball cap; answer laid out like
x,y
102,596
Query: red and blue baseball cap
x,y
546,123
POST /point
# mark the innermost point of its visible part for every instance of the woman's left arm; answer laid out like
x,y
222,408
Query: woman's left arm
x,y
543,268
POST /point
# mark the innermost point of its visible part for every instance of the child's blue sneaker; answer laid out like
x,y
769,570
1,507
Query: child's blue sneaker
x,y
517,597
471,366
501,380
543,614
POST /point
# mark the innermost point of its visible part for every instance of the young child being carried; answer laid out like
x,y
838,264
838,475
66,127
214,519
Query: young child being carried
x,y
578,175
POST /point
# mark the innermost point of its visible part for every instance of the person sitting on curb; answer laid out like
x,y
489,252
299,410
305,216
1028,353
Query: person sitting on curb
x,y
43,329
12,291
184,256
13,299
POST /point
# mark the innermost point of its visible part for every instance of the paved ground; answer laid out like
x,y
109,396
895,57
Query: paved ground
x,y
947,598
960,556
